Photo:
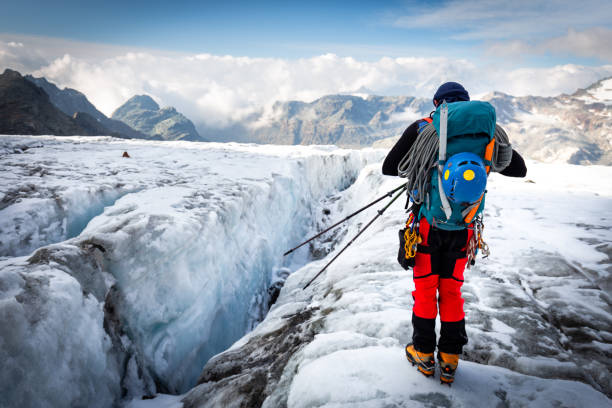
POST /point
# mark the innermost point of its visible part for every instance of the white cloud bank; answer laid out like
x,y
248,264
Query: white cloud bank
x,y
217,90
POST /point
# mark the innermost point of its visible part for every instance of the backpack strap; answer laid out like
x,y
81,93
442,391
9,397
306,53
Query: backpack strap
x,y
448,211
424,122
488,156
470,212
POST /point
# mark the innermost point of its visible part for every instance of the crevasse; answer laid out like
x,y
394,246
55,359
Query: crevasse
x,y
169,274
195,266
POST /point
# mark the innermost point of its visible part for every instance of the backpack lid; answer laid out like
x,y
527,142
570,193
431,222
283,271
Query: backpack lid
x,y
467,117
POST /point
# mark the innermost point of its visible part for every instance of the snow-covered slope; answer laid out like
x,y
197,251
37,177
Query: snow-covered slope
x,y
599,92
538,311
172,257
573,128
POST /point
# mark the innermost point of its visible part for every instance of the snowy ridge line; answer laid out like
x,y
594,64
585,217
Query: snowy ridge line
x,y
347,331
166,276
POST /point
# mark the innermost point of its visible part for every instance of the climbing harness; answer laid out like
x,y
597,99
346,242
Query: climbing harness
x,y
411,237
477,242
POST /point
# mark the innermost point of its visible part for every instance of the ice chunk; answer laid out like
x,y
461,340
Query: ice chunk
x,y
53,346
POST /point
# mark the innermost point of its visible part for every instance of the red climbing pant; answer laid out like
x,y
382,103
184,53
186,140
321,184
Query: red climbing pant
x,y
438,275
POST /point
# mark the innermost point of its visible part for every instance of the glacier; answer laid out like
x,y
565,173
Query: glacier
x,y
174,270
160,286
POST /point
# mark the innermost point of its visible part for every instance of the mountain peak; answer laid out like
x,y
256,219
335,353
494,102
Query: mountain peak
x,y
10,74
143,114
144,102
599,92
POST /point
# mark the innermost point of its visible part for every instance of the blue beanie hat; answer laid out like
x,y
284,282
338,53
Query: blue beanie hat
x,y
452,92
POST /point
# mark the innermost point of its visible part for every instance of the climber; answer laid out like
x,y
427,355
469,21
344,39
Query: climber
x,y
442,249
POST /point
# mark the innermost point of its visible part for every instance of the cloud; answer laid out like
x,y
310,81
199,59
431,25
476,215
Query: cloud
x,y
594,42
560,79
492,19
16,56
217,90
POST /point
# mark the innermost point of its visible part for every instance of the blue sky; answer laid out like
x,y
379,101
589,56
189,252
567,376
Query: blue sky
x,y
250,28
366,30
220,62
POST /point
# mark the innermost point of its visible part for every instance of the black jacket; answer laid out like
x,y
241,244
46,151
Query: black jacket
x,y
516,168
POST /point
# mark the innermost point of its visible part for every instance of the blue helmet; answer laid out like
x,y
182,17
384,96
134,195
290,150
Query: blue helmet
x,y
464,178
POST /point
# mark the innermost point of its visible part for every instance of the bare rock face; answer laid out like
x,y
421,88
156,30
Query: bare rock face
x,y
69,101
86,121
141,112
26,109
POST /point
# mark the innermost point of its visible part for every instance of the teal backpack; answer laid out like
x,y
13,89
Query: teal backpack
x,y
466,126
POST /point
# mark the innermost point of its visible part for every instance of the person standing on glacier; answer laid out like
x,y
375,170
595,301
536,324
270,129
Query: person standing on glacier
x,y
441,255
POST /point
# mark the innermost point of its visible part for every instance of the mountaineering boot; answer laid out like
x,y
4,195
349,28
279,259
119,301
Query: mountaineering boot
x,y
424,361
448,366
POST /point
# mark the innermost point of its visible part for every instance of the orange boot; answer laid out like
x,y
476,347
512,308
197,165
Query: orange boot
x,y
448,366
424,361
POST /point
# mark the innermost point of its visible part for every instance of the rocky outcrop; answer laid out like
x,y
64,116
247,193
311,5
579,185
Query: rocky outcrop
x,y
246,376
70,101
26,109
141,112
86,121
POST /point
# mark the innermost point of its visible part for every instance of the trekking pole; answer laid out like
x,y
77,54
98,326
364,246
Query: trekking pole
x,y
389,194
380,212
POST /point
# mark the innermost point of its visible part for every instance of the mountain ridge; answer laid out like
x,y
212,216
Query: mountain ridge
x,y
70,101
572,128
144,114
26,108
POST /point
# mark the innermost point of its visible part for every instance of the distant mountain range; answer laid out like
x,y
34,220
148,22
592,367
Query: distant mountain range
x,y
344,120
142,113
574,128
35,106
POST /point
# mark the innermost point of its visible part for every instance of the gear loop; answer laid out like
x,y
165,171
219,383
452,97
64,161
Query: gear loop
x,y
476,243
411,237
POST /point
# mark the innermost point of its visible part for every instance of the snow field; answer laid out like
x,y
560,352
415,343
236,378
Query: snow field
x,y
52,205
191,250
378,376
531,308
